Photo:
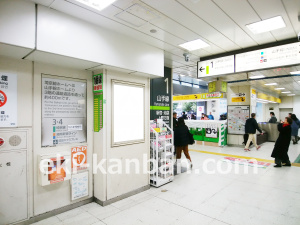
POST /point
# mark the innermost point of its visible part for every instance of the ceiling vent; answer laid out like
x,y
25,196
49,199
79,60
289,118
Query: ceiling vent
x,y
137,15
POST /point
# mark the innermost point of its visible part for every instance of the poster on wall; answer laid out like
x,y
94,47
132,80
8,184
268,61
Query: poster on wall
x,y
211,130
80,185
8,100
63,111
237,116
160,97
79,158
98,101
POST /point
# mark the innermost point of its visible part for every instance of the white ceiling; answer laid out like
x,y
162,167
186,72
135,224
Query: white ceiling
x,y
220,23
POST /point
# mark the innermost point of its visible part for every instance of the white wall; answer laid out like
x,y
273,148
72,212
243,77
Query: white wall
x,y
286,102
65,35
54,196
118,184
18,29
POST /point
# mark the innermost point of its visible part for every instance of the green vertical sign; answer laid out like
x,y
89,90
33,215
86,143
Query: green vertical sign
x,y
98,101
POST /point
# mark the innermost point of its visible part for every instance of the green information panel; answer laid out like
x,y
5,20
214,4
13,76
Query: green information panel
x,y
98,102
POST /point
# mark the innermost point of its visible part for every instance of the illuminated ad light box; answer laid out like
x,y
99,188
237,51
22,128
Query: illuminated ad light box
x,y
283,55
128,113
218,66
63,110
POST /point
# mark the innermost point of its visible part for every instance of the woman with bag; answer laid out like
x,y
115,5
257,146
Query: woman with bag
x,y
182,140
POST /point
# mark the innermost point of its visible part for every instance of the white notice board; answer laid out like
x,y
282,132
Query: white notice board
x,y
236,117
80,185
63,111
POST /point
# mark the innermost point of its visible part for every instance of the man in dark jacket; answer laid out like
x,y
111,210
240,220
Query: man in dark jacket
x,y
175,122
250,129
273,119
280,151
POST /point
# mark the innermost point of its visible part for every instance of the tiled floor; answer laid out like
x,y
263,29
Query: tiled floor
x,y
272,196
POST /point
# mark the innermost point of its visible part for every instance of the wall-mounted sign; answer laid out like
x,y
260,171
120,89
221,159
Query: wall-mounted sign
x,y
238,99
212,86
80,185
63,111
79,158
224,87
218,66
8,100
198,96
283,55
98,102
237,116
160,97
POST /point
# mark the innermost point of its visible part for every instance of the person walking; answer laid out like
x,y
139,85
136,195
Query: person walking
x,y
281,148
181,140
295,127
250,128
273,119
183,115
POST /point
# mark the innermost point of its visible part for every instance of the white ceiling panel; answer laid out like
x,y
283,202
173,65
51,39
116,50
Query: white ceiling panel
x,y
242,13
220,21
276,10
13,51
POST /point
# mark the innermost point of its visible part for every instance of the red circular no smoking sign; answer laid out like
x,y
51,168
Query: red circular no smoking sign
x,y
3,98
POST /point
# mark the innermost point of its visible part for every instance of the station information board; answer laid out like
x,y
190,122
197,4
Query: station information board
x,y
218,66
283,55
63,111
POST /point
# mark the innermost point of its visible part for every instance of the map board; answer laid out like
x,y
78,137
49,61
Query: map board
x,y
237,116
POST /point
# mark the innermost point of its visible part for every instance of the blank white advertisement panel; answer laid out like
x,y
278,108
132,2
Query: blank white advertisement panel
x,y
128,113
269,57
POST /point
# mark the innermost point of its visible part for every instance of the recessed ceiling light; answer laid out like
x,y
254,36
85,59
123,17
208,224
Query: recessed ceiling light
x,y
257,76
295,72
285,92
279,88
96,4
271,84
266,25
291,95
194,45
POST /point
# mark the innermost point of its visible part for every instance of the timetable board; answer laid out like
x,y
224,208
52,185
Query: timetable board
x,y
237,116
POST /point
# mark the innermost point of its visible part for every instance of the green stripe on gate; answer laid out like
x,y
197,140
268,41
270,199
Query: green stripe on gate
x,y
159,107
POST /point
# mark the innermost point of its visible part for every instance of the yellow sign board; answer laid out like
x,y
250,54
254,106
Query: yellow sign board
x,y
238,99
253,91
212,86
224,87
198,96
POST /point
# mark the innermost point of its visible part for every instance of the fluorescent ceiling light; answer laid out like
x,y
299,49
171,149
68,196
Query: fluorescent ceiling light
x,y
291,95
271,84
194,45
266,25
296,72
279,88
257,76
96,4
285,92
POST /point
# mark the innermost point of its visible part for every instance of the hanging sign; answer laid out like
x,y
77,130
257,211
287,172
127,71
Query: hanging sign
x,y
63,111
8,100
282,55
98,102
218,66
79,158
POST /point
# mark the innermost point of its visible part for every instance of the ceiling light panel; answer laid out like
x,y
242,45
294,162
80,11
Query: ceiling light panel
x,y
267,25
96,4
257,77
285,92
194,45
270,84
295,72
279,88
